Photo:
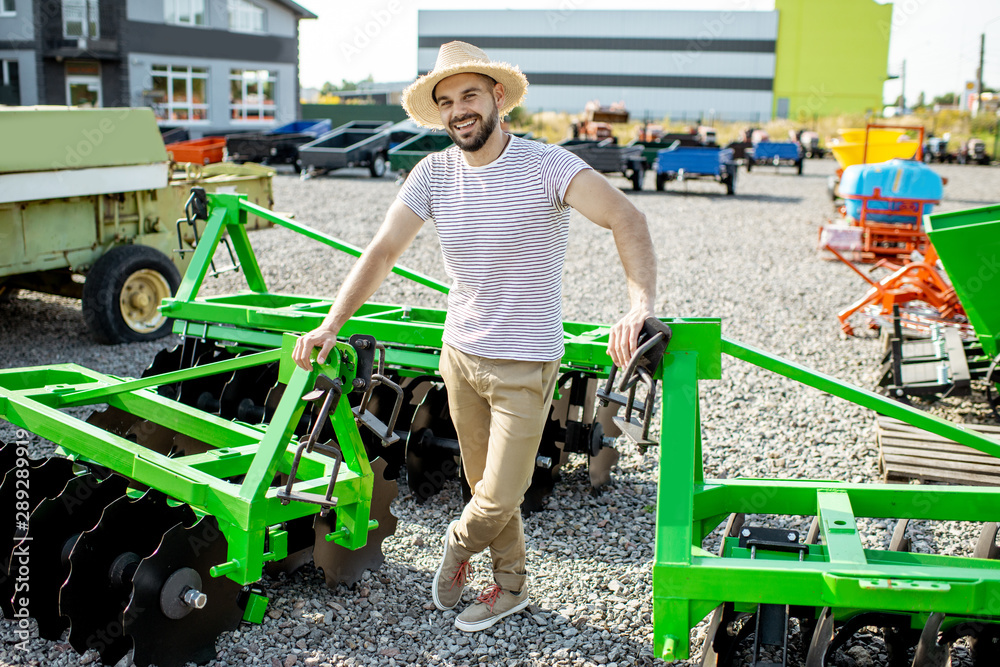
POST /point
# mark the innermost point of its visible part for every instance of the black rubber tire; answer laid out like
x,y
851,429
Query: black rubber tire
x,y
103,288
8,294
377,166
638,176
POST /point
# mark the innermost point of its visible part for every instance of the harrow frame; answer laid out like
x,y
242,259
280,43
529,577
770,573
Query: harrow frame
x,y
840,574
249,511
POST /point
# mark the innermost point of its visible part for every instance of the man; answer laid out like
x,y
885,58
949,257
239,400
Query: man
x,y
501,207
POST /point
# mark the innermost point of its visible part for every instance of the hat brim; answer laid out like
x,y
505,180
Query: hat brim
x,y
418,98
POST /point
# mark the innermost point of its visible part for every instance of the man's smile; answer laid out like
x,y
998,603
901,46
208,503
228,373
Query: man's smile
x,y
464,125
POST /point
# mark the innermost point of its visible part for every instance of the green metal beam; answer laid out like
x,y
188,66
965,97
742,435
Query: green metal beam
x,y
798,497
336,243
83,396
839,529
202,259
862,397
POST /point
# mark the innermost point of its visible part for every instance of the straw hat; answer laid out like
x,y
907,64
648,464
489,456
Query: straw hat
x,y
459,58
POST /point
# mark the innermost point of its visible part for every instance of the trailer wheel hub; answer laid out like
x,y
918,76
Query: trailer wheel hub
x,y
140,296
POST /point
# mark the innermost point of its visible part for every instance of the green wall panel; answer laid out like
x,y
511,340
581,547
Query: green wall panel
x,y
832,57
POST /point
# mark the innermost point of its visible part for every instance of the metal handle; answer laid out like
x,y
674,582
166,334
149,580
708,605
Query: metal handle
x,y
195,208
331,397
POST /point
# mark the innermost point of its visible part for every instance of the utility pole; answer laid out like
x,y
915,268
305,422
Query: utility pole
x,y
979,73
902,90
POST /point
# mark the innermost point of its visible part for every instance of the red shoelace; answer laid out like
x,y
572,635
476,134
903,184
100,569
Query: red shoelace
x,y
462,574
490,596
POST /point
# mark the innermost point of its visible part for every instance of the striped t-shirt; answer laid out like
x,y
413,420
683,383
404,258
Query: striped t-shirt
x,y
503,230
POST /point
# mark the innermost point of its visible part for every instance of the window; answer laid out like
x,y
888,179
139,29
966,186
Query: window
x,y
185,12
7,8
245,16
10,84
251,94
179,93
80,19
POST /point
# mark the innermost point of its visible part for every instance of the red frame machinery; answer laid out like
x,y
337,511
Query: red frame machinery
x,y
914,281
889,240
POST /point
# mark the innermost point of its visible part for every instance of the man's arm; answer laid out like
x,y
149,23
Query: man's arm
x,y
393,237
605,205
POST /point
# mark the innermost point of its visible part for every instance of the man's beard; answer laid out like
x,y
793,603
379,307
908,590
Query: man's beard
x,y
479,138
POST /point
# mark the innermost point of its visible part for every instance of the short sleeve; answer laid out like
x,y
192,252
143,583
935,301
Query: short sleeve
x,y
559,166
416,190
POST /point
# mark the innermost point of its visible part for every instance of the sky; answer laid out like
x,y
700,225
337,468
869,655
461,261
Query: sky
x,y
938,39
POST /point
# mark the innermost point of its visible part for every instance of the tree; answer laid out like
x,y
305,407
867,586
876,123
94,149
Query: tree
x,y
331,88
518,116
920,103
945,100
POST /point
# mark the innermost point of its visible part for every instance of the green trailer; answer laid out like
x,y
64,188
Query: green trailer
x,y
91,193
249,461
404,157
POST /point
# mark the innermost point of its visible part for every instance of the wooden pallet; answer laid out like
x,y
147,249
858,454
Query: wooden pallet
x,y
907,452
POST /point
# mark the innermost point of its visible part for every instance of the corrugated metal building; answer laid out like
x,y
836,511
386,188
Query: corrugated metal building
x,y
688,65
682,64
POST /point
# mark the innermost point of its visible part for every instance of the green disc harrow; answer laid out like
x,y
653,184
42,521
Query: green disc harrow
x,y
153,529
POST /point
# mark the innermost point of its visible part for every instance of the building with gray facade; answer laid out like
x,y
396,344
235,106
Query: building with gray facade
x,y
682,64
211,66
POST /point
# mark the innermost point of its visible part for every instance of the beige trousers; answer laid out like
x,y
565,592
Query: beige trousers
x,y
499,408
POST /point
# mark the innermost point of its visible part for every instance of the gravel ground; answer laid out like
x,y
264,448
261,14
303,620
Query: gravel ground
x,y
749,259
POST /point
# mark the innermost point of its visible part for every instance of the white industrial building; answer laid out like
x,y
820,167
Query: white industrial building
x,y
687,65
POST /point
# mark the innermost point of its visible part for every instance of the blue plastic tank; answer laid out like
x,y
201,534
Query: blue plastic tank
x,y
896,179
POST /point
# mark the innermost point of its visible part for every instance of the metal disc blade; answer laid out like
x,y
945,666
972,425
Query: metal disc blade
x,y
8,456
550,450
153,437
191,390
719,646
428,467
113,420
53,528
929,652
381,404
601,465
185,445
45,480
182,559
92,599
342,565
986,546
822,635
985,648
172,359
252,383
